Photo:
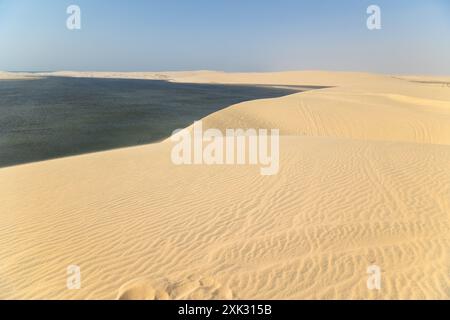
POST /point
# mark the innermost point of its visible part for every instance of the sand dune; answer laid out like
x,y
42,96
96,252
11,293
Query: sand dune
x,y
364,179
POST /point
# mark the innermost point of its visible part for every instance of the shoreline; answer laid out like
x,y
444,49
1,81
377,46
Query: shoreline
x,y
108,124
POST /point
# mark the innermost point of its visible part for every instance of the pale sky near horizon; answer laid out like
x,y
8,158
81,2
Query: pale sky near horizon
x,y
229,35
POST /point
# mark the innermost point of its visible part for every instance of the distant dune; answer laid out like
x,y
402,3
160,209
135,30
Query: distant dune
x,y
364,180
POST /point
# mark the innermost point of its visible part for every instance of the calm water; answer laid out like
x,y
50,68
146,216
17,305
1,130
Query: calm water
x,y
55,117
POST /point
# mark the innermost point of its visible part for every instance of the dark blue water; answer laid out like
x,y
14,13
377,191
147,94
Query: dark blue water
x,y
55,117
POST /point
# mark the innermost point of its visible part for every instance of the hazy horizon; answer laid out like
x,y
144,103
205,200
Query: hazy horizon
x,y
230,36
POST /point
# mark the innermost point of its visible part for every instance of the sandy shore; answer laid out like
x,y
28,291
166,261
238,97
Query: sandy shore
x,y
18,76
364,179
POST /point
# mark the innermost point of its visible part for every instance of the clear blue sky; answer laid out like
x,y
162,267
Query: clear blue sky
x,y
230,35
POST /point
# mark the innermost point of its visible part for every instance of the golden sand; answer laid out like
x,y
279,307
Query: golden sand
x,y
364,179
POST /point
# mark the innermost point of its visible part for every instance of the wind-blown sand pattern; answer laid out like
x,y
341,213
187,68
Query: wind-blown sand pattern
x,y
364,179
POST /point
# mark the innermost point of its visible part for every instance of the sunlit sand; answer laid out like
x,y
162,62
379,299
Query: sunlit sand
x,y
364,179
